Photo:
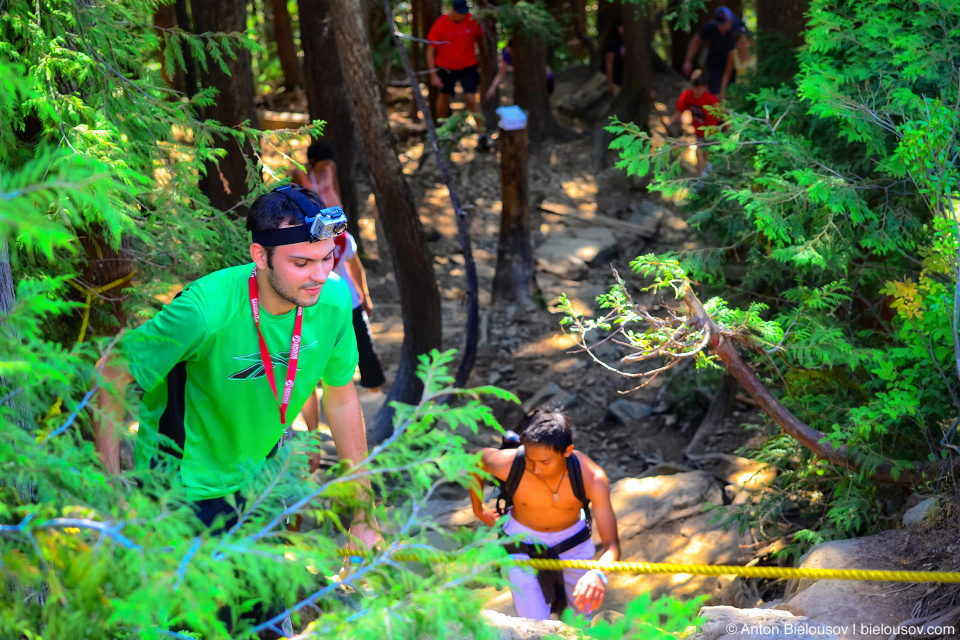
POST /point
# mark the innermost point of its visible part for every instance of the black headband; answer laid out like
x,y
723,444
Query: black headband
x,y
290,235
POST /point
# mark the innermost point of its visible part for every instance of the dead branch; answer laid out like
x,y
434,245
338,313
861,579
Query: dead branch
x,y
812,439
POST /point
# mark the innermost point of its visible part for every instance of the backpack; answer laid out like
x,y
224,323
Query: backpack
x,y
509,486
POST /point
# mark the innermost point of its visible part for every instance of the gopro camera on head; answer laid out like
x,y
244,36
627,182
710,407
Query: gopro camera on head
x,y
328,223
318,223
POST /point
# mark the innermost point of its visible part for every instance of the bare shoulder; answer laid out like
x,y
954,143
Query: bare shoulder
x,y
497,461
594,479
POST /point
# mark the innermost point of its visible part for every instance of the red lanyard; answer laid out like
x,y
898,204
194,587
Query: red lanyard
x,y
265,353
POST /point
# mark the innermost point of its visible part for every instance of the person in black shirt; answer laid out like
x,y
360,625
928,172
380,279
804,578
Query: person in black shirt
x,y
613,58
720,37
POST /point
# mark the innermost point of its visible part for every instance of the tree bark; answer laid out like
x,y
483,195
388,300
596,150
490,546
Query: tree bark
x,y
286,49
190,66
515,279
786,17
377,32
416,53
580,29
165,18
431,11
489,62
633,103
530,90
19,408
226,185
412,262
326,100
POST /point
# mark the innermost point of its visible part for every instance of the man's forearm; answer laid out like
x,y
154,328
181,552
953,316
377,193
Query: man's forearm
x,y
346,423
610,554
431,56
692,49
110,414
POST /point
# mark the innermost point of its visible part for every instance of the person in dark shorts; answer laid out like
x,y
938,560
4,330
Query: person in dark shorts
x,y
720,36
452,55
614,56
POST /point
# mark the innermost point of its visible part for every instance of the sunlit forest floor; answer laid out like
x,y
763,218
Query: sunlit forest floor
x,y
584,222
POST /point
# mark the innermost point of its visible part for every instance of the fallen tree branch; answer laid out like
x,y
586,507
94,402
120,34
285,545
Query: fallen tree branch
x,y
812,439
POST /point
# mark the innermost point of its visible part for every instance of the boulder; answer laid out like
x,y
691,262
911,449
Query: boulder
x,y
663,519
566,253
627,411
552,396
728,623
922,515
588,95
856,604
647,216
641,504
511,628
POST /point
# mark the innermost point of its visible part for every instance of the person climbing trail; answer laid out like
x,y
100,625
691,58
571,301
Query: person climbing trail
x,y
347,265
719,35
546,491
213,361
452,56
741,63
614,58
696,99
321,174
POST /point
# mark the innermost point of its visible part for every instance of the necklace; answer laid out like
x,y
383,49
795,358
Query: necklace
x,y
556,494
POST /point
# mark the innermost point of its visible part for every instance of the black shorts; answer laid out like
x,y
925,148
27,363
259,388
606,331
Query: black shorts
x,y
468,77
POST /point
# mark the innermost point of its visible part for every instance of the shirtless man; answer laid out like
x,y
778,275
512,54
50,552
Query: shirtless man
x,y
546,510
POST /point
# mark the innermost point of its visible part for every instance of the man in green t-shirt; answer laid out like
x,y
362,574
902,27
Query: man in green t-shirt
x,y
227,365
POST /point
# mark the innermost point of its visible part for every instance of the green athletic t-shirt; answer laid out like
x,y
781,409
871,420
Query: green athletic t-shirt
x,y
231,419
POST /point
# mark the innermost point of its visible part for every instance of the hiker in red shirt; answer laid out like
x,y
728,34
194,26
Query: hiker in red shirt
x,y
453,58
696,100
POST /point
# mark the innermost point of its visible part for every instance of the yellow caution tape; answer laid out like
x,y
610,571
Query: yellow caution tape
x,y
709,570
89,292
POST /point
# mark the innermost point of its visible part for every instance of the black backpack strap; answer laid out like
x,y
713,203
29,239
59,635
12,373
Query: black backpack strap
x,y
509,487
576,483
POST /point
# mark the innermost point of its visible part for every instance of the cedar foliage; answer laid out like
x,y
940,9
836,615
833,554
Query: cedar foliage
x,y
837,189
94,144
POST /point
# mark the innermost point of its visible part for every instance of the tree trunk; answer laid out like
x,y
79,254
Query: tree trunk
x,y
104,266
286,49
226,185
786,17
580,29
633,103
489,62
376,23
416,53
18,406
165,18
326,100
412,262
431,11
190,66
515,279
530,89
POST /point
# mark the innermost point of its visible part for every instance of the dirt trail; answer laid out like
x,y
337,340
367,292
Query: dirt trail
x,y
578,234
